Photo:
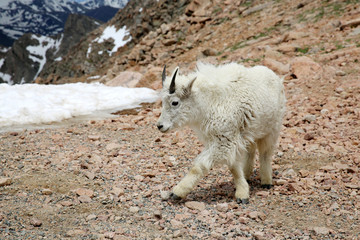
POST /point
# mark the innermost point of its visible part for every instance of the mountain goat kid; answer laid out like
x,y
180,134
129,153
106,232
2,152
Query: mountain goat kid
x,y
233,109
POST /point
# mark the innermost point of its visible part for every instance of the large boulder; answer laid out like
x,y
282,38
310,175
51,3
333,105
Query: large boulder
x,y
304,68
125,79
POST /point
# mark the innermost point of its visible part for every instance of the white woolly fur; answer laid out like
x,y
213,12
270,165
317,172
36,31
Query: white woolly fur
x,y
233,109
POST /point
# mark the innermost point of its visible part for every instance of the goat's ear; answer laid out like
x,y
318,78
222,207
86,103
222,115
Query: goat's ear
x,y
172,84
188,88
163,76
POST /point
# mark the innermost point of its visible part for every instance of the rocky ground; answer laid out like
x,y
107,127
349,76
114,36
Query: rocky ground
x,y
109,179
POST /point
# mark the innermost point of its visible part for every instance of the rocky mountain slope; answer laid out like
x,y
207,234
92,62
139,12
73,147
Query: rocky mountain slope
x,y
259,32
47,17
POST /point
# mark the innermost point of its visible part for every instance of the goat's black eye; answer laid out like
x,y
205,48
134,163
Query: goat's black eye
x,y
174,103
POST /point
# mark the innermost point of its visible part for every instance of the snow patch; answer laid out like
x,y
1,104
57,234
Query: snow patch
x,y
38,52
39,104
118,36
7,78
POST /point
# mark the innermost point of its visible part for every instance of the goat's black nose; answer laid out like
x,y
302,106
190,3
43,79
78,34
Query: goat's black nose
x,y
159,126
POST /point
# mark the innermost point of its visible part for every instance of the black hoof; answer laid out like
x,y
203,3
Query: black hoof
x,y
266,186
242,201
174,197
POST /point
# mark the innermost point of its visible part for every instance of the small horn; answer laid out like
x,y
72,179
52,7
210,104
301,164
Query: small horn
x,y
163,75
172,84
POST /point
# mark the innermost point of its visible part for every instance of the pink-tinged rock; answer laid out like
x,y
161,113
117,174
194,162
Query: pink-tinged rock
x,y
139,178
303,173
46,191
112,146
352,185
222,207
276,66
262,193
253,215
195,205
118,191
75,232
280,182
243,220
305,69
5,182
321,230
287,48
66,203
176,224
84,191
35,222
94,137
109,235
294,187
259,235
91,217
84,199
125,79
134,209
89,175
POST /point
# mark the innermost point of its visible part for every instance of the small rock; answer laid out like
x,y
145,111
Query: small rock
x,y
253,215
66,203
294,187
289,173
91,217
262,193
139,178
5,182
112,146
340,73
309,136
118,191
73,233
84,199
176,224
222,207
352,186
243,220
157,214
177,234
258,235
165,195
134,209
109,235
309,118
35,222
89,175
321,230
280,182
46,191
84,191
94,137
195,205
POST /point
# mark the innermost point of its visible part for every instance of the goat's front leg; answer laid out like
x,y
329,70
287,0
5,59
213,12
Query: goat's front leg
x,y
201,167
185,186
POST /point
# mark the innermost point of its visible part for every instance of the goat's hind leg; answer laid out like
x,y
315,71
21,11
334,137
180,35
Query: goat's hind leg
x,y
242,187
249,160
266,147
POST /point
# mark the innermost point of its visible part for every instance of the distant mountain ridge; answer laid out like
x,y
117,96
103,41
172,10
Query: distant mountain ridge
x,y
29,54
48,17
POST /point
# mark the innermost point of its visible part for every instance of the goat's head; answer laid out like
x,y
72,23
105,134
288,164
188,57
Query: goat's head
x,y
177,102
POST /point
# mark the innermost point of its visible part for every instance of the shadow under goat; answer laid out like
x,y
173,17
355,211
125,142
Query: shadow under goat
x,y
233,109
